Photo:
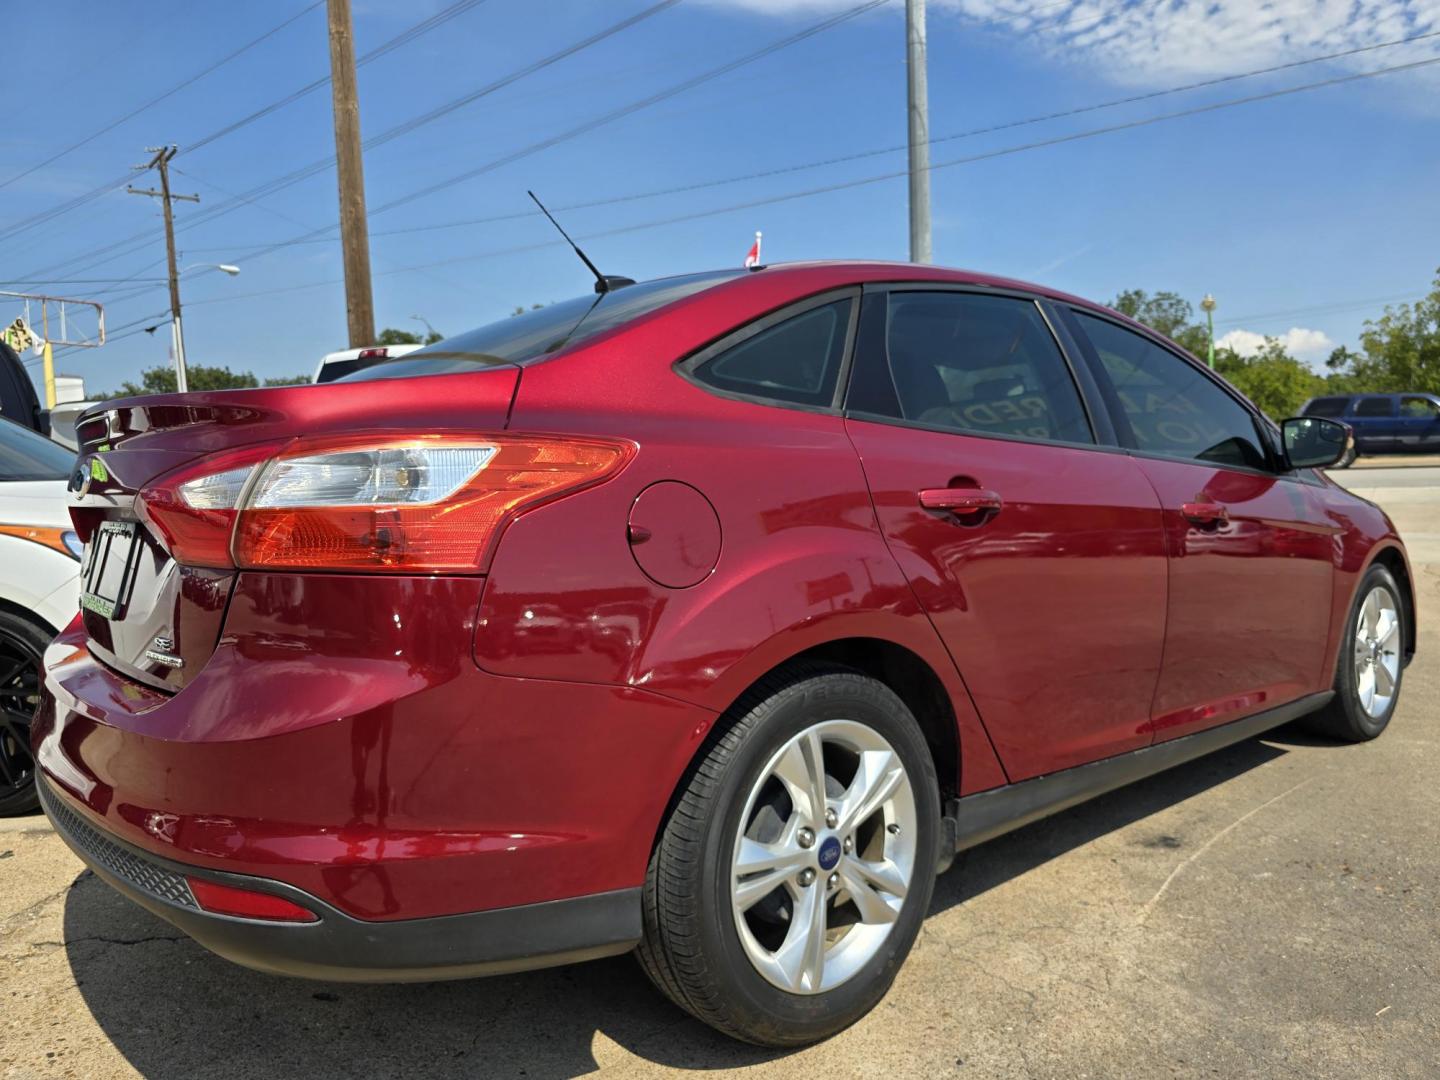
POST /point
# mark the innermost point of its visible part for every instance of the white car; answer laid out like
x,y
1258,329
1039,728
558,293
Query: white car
x,y
336,365
39,592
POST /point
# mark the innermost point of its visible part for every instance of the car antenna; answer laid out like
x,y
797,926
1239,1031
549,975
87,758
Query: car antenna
x,y
604,283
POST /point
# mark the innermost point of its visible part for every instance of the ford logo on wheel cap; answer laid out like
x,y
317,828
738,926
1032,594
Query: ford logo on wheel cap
x,y
829,854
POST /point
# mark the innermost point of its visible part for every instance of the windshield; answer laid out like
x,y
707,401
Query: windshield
x,y
27,456
542,332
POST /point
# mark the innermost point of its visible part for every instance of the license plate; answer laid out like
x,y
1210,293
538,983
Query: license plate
x,y
109,570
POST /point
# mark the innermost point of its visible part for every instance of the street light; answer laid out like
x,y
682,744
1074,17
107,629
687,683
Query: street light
x,y
422,319
177,333
1208,306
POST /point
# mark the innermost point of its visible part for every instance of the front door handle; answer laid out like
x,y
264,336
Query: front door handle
x,y
962,502
1205,513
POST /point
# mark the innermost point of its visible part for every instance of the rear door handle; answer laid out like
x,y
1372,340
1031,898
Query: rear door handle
x,y
1205,513
962,502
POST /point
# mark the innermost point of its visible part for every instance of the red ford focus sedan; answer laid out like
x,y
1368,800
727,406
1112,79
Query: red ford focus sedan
x,y
706,617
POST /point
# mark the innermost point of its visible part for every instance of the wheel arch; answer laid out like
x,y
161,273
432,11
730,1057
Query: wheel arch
x,y
906,673
1392,557
20,611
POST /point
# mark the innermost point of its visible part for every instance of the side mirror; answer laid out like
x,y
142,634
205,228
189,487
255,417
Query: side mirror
x,y
1312,442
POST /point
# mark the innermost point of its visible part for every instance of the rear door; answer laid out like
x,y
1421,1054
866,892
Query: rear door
x,y
1251,571
1037,551
1419,423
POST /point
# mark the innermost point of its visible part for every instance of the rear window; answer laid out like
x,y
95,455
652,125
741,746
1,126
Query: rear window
x,y
25,455
1327,406
338,369
523,339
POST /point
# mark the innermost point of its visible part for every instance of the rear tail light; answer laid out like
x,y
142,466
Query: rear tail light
x,y
246,903
429,504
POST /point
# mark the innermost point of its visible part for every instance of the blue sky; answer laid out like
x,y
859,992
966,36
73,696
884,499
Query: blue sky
x,y
1301,214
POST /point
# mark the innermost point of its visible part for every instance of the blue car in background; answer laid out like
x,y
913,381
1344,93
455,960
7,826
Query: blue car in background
x,y
1383,422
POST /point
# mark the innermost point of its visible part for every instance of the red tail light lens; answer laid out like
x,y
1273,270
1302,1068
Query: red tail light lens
x,y
429,504
194,509
228,900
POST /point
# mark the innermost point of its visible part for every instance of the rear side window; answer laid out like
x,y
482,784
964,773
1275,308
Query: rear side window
x,y
795,361
1419,408
981,365
1172,407
1375,406
1327,406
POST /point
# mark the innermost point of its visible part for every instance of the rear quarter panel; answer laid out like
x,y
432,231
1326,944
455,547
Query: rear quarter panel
x,y
801,561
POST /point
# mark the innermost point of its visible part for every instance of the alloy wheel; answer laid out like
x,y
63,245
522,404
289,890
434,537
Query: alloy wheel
x,y
824,856
19,698
1377,652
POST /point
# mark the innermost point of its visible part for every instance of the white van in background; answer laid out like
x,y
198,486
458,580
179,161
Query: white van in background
x,y
336,365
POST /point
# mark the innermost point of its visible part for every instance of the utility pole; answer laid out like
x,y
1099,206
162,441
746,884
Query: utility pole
x,y
919,108
161,164
354,232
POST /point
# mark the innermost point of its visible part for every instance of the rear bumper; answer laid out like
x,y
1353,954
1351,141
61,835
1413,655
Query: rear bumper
x,y
343,949
370,765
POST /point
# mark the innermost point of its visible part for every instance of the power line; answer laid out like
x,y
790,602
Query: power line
x,y
161,97
316,167
403,38
607,118
718,211
847,158
879,178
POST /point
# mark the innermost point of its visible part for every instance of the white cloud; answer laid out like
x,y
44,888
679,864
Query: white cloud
x,y
1307,345
1146,42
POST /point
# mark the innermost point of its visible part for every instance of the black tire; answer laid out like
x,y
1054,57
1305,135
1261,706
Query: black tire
x,y
691,948
1345,718
22,644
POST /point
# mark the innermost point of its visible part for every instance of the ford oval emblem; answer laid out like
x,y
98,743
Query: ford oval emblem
x,y
80,478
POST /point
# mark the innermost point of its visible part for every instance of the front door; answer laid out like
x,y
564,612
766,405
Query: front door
x,y
1251,571
1038,555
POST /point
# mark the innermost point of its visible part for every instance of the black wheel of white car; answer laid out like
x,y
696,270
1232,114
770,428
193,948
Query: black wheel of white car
x,y
22,643
791,878
1372,662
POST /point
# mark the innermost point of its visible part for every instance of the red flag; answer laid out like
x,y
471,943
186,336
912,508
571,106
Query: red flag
x,y
752,257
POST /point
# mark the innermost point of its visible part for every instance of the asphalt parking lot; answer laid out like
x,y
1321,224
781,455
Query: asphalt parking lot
x,y
1269,911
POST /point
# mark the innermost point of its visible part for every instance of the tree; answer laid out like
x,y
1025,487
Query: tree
x,y
161,380
392,336
1273,379
1167,313
1401,348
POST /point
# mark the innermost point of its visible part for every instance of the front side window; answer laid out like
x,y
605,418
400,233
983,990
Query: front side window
x,y
1419,408
796,360
981,365
1375,406
1173,408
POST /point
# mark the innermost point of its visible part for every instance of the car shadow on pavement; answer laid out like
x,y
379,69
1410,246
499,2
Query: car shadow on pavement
x,y
174,1010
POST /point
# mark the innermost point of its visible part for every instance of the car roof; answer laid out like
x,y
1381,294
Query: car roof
x,y
880,270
